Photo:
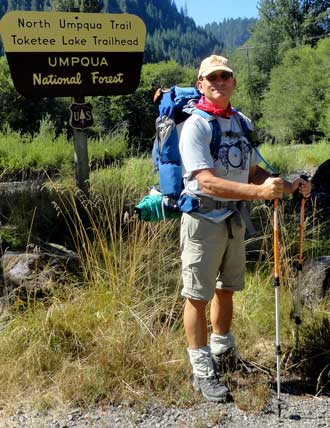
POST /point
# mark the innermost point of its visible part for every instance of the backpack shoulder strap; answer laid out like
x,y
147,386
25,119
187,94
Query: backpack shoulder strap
x,y
250,134
242,122
216,132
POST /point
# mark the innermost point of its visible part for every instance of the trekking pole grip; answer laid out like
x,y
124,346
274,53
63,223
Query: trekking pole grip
x,y
275,175
304,177
297,193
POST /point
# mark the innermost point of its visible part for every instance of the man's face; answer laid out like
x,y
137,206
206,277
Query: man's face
x,y
217,87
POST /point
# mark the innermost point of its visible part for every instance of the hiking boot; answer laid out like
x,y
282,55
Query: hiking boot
x,y
211,388
229,362
224,363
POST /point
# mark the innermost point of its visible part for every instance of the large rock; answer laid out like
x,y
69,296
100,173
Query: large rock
x,y
36,270
315,281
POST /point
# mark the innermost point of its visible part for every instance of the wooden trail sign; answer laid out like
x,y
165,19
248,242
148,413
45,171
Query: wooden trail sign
x,y
73,54
69,54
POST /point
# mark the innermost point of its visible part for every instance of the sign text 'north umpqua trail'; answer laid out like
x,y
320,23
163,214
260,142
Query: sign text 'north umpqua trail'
x,y
73,54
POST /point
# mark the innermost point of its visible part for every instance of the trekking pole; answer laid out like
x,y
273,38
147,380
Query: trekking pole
x,y
277,301
276,287
297,301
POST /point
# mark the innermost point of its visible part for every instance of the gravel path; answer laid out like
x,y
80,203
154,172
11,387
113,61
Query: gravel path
x,y
297,412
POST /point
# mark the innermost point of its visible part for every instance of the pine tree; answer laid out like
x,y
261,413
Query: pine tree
x,y
63,5
81,5
47,5
90,5
26,4
285,24
12,5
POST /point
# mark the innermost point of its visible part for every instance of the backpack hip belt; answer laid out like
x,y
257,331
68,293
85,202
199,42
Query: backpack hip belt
x,y
212,204
238,207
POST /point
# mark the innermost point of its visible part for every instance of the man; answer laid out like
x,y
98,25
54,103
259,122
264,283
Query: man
x,y
212,238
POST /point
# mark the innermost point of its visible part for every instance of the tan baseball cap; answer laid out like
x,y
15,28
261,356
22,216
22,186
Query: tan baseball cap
x,y
214,63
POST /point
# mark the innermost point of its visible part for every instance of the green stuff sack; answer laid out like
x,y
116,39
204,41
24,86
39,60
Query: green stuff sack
x,y
152,208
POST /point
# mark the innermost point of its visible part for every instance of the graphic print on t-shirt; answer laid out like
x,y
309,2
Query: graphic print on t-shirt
x,y
234,155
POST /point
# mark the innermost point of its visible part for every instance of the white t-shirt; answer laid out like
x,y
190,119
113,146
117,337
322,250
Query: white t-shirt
x,y
235,155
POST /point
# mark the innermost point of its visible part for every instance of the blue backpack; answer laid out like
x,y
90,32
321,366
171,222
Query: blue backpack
x,y
175,105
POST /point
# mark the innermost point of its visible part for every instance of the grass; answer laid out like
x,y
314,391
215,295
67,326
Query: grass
x,y
45,152
134,177
115,332
288,159
115,336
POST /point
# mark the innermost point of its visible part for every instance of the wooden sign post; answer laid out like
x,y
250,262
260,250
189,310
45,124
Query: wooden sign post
x,y
81,118
69,54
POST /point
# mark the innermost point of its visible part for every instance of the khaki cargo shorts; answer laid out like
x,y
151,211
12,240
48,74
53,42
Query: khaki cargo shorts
x,y
210,259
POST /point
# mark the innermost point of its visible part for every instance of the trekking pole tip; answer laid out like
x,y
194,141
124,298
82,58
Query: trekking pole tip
x,y
279,410
279,407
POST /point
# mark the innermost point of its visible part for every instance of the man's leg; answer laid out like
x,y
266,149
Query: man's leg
x,y
222,342
200,263
222,311
194,321
195,325
230,279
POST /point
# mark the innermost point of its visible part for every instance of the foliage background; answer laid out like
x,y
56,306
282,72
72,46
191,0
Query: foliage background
x,y
280,59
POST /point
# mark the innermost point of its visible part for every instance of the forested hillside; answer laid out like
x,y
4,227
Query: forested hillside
x,y
172,35
232,32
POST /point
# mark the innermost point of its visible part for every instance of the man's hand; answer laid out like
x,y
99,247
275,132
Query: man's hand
x,y
272,188
304,187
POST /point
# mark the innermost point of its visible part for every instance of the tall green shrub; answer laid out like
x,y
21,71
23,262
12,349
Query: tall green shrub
x,y
295,105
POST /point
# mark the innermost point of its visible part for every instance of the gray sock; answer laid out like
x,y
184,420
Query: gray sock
x,y
201,361
220,343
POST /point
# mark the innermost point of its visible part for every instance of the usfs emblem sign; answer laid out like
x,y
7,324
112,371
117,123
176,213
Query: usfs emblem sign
x,y
81,115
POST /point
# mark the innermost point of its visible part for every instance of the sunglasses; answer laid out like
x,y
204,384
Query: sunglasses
x,y
224,75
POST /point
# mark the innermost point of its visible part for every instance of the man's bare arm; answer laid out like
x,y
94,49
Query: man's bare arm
x,y
271,188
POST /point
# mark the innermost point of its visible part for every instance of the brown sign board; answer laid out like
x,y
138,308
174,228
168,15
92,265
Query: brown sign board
x,y
73,54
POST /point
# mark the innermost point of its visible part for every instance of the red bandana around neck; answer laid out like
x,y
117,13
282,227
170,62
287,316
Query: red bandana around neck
x,y
205,105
